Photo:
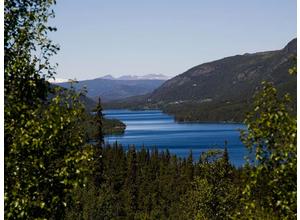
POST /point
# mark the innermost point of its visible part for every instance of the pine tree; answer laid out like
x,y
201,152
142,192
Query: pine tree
x,y
225,154
131,182
226,163
99,123
98,176
190,166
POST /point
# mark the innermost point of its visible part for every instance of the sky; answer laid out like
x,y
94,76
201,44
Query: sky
x,y
141,37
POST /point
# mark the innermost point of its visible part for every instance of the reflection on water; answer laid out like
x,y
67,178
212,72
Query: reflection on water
x,y
152,128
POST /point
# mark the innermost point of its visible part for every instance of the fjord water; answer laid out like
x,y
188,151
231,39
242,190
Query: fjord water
x,y
153,128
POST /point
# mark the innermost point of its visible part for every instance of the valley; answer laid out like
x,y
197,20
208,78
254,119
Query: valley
x,y
184,110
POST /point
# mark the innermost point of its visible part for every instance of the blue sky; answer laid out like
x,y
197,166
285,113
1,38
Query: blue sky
x,y
164,37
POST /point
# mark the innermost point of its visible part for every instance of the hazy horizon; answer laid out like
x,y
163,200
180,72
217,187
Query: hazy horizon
x,y
140,38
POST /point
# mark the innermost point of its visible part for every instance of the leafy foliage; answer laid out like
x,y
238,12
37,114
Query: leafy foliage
x,y
271,137
45,152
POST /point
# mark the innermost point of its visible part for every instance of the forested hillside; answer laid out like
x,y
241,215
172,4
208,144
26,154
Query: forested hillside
x,y
231,79
221,90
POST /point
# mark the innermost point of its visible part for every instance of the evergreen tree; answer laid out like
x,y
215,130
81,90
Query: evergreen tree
x,y
190,166
98,164
131,181
225,155
226,163
99,123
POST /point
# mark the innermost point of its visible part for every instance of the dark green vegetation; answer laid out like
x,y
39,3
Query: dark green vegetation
x,y
109,127
151,185
116,89
52,172
113,126
221,90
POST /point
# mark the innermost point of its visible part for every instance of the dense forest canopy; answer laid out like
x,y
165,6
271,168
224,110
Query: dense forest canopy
x,y
52,172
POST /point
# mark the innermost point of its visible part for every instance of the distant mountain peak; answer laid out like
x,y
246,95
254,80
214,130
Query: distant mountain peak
x,y
107,77
137,77
155,76
128,77
57,80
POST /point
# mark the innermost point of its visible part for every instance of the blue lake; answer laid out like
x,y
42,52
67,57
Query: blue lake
x,y
152,128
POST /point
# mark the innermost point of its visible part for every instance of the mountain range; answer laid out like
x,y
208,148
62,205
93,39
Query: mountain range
x,y
220,90
137,77
109,88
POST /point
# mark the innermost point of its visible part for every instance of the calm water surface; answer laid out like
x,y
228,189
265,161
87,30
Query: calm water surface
x,y
152,128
